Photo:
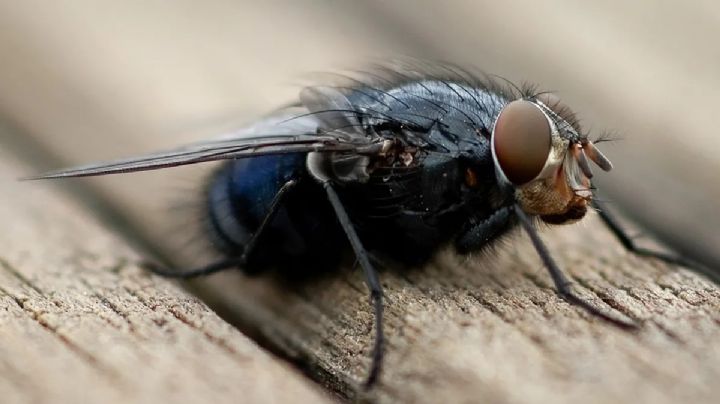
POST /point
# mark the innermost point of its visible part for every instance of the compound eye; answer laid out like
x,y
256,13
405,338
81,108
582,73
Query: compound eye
x,y
521,141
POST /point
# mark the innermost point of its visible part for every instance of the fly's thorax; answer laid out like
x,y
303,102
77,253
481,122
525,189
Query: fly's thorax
x,y
543,157
358,167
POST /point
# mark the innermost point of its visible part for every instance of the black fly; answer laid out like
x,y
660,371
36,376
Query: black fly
x,y
398,165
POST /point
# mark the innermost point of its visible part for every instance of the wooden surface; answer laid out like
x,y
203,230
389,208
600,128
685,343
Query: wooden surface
x,y
83,83
493,330
80,323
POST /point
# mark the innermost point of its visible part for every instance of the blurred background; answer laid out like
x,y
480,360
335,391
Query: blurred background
x,y
88,80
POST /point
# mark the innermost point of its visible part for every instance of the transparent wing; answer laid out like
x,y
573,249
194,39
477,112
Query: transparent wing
x,y
289,135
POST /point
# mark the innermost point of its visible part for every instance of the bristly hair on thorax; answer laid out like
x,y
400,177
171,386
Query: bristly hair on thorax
x,y
382,76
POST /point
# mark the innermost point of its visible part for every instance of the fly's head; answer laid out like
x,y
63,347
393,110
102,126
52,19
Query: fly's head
x,y
539,149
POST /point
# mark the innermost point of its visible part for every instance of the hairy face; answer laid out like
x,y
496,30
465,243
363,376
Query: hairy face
x,y
538,148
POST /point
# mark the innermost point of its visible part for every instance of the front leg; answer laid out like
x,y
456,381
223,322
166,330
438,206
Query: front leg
x,y
629,243
562,283
481,232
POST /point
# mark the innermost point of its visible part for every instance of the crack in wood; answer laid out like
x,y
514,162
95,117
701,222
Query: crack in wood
x,y
220,342
86,356
4,264
491,308
183,319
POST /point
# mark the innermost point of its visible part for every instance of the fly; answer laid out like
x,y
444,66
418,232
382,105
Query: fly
x,y
397,166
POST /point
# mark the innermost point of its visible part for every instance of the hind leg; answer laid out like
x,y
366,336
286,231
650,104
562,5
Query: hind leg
x,y
248,249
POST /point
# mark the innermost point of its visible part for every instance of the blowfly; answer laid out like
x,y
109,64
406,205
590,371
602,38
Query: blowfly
x,y
397,162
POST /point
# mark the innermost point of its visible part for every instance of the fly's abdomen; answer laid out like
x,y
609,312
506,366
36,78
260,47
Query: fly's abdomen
x,y
241,194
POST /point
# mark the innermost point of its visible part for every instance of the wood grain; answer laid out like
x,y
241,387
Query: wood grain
x,y
491,329
81,323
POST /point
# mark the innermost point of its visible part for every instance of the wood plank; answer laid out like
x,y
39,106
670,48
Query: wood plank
x,y
491,329
80,322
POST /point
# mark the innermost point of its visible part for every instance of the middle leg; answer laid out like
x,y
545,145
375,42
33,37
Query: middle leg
x,y
371,279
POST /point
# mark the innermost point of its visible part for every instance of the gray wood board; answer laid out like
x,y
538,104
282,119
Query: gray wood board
x,y
81,323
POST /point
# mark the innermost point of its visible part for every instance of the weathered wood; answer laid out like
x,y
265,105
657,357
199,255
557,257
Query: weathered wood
x,y
480,329
492,329
79,322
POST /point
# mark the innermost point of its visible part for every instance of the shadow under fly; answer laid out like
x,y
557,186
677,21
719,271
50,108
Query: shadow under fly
x,y
399,162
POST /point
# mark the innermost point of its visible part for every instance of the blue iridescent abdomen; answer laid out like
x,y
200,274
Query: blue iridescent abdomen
x,y
240,195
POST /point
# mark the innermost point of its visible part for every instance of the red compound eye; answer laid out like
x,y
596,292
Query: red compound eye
x,y
521,140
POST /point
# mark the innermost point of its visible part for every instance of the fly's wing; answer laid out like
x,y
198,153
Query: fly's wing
x,y
289,132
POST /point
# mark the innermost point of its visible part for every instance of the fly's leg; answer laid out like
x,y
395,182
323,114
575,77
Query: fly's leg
x,y
617,229
371,279
562,283
482,232
248,249
267,220
192,273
